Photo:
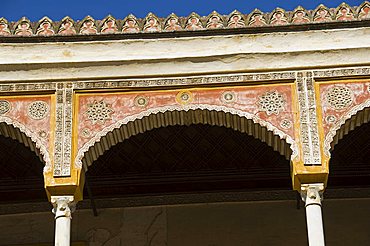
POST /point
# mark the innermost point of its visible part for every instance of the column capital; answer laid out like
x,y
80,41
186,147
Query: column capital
x,y
63,206
312,193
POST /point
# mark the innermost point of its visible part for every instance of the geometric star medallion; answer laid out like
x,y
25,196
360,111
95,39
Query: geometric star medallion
x,y
99,112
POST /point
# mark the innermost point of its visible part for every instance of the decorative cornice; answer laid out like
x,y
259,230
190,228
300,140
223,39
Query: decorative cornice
x,y
152,24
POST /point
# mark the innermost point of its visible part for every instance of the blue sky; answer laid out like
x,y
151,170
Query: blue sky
x,y
77,9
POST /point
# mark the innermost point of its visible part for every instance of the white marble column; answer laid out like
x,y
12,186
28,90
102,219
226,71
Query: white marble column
x,y
312,196
63,208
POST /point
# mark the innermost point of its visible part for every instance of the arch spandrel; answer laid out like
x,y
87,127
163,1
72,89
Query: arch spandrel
x,y
267,107
341,103
27,119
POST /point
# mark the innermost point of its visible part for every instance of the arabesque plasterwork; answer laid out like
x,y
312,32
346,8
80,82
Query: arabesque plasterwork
x,y
270,127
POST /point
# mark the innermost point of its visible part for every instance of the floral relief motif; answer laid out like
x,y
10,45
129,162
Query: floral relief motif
x,y
184,97
45,27
214,21
99,112
172,23
131,25
321,14
364,11
228,97
300,16
141,101
331,119
109,25
339,97
4,27
235,20
23,28
256,18
4,107
278,17
193,22
151,23
88,26
286,124
67,27
38,110
344,13
271,102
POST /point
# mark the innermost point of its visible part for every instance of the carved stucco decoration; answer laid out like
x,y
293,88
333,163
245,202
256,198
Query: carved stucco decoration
x,y
109,25
4,27
141,101
99,112
286,124
184,97
228,97
271,102
97,137
38,110
339,97
172,23
4,107
67,27
333,130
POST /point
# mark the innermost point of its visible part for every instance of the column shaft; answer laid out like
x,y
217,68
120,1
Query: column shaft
x,y
312,195
63,207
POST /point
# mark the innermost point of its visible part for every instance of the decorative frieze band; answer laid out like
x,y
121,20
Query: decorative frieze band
x,y
63,130
193,80
308,119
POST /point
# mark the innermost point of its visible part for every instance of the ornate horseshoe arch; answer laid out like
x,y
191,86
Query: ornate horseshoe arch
x,y
19,132
185,115
357,116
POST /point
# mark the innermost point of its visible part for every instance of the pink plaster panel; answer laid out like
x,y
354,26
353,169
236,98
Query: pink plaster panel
x,y
123,105
18,112
360,91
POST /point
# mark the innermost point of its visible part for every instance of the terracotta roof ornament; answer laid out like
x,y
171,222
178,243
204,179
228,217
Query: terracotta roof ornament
x,y
193,22
109,25
88,26
4,27
214,21
67,27
256,18
344,13
364,11
23,27
130,24
45,27
151,23
300,16
235,20
278,17
322,14
172,23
